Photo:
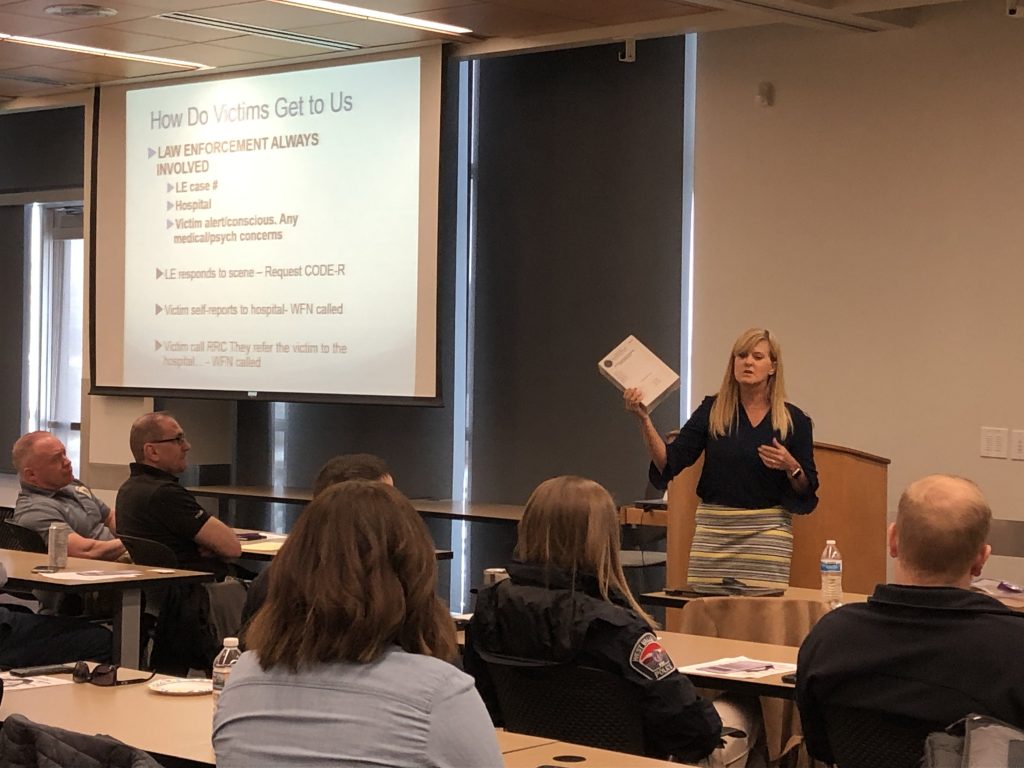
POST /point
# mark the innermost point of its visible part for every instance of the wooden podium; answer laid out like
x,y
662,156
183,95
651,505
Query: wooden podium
x,y
852,500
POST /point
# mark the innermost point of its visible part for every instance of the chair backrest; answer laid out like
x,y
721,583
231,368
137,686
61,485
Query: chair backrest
x,y
570,703
862,738
149,552
24,742
13,536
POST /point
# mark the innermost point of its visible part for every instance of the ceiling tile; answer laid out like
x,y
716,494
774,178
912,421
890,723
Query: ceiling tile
x,y
173,30
267,14
37,9
16,24
113,39
17,55
216,55
366,33
64,75
601,12
493,20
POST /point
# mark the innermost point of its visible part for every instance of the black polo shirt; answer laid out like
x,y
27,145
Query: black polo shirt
x,y
152,504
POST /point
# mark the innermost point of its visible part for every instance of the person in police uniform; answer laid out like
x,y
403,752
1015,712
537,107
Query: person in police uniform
x,y
567,570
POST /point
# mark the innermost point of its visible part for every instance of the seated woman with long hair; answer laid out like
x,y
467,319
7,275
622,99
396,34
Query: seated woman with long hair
x,y
566,600
348,660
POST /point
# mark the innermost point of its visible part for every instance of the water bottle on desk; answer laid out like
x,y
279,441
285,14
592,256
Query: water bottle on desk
x,y
831,575
222,666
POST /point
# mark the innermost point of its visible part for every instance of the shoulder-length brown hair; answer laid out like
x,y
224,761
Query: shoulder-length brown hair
x,y
572,523
356,575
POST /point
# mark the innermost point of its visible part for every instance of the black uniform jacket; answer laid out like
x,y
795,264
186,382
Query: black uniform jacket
x,y
539,613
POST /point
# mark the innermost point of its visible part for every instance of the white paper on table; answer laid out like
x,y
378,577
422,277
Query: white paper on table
x,y
91,575
739,666
15,683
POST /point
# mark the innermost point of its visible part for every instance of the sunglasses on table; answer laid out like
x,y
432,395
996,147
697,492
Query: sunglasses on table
x,y
103,675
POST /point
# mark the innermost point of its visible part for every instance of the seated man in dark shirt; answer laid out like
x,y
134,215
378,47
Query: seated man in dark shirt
x,y
924,648
152,504
349,466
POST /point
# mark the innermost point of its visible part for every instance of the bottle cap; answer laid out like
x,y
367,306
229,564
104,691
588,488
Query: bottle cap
x,y
230,642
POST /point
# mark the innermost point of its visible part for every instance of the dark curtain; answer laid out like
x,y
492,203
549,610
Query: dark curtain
x,y
579,241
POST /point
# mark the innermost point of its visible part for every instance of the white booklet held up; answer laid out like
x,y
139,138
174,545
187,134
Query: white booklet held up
x,y
632,365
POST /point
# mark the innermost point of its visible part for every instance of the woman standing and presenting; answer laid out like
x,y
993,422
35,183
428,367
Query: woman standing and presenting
x,y
758,467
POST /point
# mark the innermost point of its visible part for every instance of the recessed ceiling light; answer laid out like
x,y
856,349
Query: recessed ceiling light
x,y
106,52
252,29
80,9
368,14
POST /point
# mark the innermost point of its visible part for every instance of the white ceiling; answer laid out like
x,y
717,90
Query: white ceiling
x,y
498,26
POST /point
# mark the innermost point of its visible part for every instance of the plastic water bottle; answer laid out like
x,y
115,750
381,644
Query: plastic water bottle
x,y
222,666
831,575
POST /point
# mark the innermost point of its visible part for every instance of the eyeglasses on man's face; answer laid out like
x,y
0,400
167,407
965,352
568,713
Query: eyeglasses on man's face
x,y
178,438
103,675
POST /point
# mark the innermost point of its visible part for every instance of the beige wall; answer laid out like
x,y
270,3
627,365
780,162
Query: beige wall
x,y
871,220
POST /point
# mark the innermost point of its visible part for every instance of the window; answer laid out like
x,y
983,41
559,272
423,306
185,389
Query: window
x,y
52,397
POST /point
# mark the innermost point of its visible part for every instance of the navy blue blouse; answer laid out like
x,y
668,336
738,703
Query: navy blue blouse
x,y
733,474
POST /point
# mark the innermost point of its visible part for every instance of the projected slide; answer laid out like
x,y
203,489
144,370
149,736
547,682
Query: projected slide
x,y
272,233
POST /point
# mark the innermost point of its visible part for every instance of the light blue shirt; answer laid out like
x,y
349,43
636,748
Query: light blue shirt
x,y
404,709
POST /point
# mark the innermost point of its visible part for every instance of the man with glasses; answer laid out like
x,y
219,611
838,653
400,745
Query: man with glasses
x,y
51,494
152,504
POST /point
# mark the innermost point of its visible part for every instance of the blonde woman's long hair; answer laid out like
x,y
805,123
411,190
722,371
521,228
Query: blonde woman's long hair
x,y
572,523
725,411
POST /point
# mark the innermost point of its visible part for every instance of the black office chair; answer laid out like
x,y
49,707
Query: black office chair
x,y
864,739
23,741
14,536
149,552
570,703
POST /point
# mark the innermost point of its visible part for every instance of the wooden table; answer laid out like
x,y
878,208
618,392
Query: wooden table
x,y
444,508
128,618
560,753
697,649
268,547
167,726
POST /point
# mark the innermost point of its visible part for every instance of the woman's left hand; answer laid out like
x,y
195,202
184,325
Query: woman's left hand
x,y
775,456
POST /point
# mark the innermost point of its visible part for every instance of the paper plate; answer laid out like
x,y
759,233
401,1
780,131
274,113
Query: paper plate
x,y
182,687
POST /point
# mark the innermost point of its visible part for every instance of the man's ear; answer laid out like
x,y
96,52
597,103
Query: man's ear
x,y
980,560
893,540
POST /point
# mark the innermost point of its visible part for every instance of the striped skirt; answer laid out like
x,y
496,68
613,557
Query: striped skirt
x,y
752,545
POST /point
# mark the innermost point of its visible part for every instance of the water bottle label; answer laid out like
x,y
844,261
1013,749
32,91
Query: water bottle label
x,y
831,567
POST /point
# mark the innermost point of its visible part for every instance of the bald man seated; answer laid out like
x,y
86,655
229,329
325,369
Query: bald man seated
x,y
924,646
152,504
51,494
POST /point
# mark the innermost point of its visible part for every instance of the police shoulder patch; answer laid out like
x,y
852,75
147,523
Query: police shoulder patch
x,y
650,659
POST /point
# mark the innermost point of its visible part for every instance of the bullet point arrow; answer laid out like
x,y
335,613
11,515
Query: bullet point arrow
x,y
159,309
170,223
156,346
151,153
170,187
169,205
159,273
